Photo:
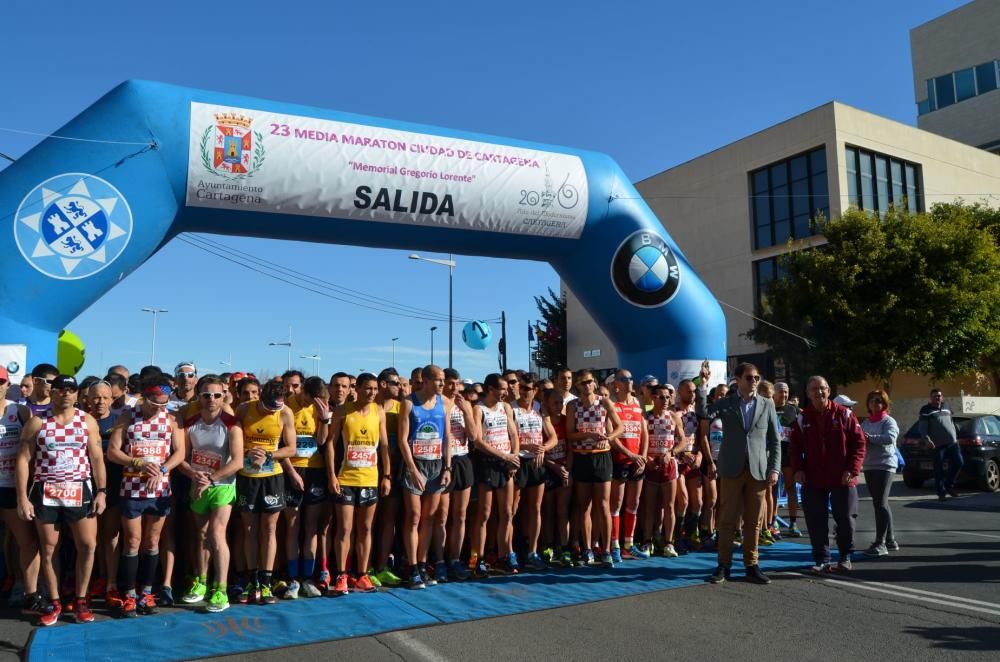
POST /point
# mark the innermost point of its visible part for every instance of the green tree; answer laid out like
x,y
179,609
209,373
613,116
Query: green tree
x,y
550,335
910,292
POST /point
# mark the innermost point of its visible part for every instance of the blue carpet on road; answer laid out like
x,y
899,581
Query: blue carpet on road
x,y
186,635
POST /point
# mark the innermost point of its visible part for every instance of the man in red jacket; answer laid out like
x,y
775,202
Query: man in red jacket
x,y
827,448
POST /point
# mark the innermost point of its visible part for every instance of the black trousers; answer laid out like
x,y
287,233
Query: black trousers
x,y
843,501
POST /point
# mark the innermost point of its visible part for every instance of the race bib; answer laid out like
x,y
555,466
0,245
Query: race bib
x,y
67,494
7,465
250,468
558,453
427,450
361,457
659,445
632,429
305,447
205,461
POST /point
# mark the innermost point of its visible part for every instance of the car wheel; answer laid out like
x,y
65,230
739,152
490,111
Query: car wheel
x,y
991,477
912,480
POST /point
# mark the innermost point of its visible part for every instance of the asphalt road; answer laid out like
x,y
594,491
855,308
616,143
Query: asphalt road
x,y
935,599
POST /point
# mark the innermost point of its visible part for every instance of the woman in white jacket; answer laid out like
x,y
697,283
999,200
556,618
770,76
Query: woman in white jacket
x,y
880,464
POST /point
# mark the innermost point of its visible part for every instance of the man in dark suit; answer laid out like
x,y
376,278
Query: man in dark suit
x,y
748,465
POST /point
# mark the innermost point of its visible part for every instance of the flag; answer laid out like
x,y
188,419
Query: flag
x,y
531,333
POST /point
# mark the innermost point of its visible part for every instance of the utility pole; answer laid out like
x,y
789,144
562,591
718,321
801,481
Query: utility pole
x,y
502,345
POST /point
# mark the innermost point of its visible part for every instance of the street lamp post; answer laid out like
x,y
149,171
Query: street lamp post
x,y
450,263
315,358
155,311
394,352
287,344
433,329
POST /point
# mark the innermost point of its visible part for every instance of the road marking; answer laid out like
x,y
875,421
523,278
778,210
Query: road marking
x,y
972,533
418,649
912,594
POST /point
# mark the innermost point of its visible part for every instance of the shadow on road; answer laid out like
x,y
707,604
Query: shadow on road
x,y
959,638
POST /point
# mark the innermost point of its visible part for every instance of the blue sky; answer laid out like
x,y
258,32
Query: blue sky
x,y
652,84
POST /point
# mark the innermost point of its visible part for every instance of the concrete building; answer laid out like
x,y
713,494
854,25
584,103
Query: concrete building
x,y
732,211
956,74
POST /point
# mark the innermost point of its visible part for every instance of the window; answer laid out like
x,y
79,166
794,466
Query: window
x,y
986,77
965,84
765,271
960,85
876,181
787,197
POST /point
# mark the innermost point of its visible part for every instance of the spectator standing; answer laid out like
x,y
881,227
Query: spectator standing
x,y
880,431
938,430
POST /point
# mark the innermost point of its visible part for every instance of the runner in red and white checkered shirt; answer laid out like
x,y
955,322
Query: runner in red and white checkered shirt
x,y
68,461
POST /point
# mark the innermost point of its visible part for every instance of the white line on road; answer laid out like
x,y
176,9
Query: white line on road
x,y
973,533
912,594
411,644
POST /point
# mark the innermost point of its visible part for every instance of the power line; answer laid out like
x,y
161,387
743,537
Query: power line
x,y
147,143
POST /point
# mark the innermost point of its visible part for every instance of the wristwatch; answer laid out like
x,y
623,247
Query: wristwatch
x,y
101,490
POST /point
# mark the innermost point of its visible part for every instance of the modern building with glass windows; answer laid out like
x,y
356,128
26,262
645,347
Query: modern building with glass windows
x,y
956,74
735,210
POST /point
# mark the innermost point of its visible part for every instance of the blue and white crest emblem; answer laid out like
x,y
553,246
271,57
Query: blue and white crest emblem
x,y
72,225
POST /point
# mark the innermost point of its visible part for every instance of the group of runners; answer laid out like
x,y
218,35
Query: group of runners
x,y
365,481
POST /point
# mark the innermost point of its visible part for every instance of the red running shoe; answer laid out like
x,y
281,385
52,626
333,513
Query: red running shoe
x,y
83,611
51,615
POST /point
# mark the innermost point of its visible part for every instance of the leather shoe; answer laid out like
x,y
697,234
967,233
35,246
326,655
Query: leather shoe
x,y
755,575
720,575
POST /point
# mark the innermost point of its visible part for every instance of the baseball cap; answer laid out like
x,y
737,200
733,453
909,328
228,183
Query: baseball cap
x,y
179,368
65,381
844,400
4,375
647,380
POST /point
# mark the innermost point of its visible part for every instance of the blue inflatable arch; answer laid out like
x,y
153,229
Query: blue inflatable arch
x,y
84,214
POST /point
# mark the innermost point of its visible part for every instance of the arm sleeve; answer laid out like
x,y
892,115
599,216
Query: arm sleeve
x,y
922,424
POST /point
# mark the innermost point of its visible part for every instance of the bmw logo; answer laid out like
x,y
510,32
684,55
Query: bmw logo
x,y
644,270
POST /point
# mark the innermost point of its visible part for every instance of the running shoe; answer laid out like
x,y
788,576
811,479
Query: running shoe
x,y
793,531
165,597
669,552
416,581
457,571
892,545
776,533
51,614
682,545
113,599
566,558
98,587
637,552
387,577
146,605
310,590
658,545
765,539
266,595
535,562
588,558
822,568
83,611
364,585
217,602
323,582
341,586
615,555
608,560
196,593
128,608
482,570
876,550
510,565
845,565
441,572
292,590
279,588
428,576
373,579
237,593
695,539
548,555
251,595
738,539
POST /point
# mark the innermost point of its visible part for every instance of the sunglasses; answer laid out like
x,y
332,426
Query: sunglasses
x,y
186,374
512,382
752,378
586,382
395,383
211,396
50,382
625,380
528,387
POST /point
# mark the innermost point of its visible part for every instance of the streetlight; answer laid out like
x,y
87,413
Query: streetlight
x,y
287,344
450,263
315,358
433,329
394,352
155,311
229,363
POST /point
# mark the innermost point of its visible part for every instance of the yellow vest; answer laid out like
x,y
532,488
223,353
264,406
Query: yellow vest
x,y
307,453
261,430
361,436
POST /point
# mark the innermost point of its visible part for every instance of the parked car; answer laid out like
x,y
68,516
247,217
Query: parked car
x,y
979,439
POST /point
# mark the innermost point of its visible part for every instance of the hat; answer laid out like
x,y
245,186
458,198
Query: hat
x,y
647,380
609,380
467,382
4,375
670,386
844,400
65,381
185,364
